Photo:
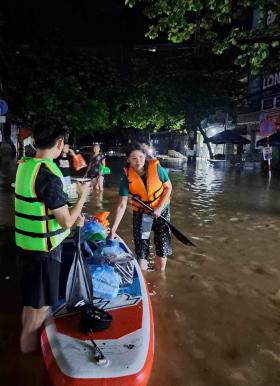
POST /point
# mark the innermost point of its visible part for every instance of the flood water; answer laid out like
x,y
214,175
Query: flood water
x,y
217,306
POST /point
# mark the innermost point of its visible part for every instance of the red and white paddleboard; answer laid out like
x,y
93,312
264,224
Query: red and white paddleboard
x,y
128,344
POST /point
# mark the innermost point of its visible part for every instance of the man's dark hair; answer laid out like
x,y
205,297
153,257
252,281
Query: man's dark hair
x,y
132,147
46,133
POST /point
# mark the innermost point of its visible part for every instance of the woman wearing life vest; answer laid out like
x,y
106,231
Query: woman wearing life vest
x,y
149,182
96,165
42,222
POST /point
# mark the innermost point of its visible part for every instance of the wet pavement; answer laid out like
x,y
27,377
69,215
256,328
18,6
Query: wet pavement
x,y
217,306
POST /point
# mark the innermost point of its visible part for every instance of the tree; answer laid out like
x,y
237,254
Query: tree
x,y
219,24
45,80
89,95
200,91
180,94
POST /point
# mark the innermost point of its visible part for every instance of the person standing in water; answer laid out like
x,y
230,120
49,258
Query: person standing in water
x,y
148,181
96,165
63,162
42,221
148,150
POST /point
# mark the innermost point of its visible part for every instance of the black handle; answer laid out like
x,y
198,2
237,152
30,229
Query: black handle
x,y
148,208
78,237
142,203
179,235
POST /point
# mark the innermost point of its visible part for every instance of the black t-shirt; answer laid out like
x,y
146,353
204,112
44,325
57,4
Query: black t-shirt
x,y
64,165
29,151
49,189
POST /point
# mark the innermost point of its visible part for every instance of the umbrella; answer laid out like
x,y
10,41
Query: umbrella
x,y
273,140
228,136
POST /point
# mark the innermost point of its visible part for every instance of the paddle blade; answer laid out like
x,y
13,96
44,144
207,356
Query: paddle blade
x,y
180,235
174,230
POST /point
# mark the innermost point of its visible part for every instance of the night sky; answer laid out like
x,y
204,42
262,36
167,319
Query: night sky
x,y
80,23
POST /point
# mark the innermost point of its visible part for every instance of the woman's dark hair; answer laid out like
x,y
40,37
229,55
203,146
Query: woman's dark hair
x,y
132,147
145,141
46,133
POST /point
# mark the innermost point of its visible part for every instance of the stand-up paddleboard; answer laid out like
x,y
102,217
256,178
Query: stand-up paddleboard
x,y
127,345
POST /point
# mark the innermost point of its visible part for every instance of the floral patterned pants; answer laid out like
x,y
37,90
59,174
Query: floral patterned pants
x,y
162,236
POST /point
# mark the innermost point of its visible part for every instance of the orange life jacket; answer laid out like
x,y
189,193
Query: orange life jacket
x,y
78,162
150,195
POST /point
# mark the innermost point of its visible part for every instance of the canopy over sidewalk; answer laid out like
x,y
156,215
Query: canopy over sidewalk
x,y
273,140
228,136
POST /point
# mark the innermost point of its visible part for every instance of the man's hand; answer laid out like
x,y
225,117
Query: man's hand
x,y
82,189
80,221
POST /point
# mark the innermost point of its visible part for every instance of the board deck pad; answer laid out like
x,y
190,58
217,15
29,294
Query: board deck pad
x,y
128,344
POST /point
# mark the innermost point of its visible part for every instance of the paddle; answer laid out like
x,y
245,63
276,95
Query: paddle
x,y
184,239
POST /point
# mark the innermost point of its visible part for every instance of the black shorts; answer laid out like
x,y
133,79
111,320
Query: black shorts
x,y
39,277
162,236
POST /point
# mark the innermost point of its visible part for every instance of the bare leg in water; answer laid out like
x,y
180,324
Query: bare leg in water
x,y
97,183
160,263
98,198
32,320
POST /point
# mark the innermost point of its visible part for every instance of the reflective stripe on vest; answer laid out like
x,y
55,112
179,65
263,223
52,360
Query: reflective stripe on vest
x,y
36,227
150,195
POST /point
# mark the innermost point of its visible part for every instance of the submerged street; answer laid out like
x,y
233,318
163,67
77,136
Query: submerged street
x,y
217,306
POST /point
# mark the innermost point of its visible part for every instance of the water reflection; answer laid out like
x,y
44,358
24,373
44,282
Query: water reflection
x,y
215,189
202,194
217,307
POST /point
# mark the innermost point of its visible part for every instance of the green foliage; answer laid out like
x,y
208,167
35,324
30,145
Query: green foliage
x,y
219,24
177,94
72,86
89,94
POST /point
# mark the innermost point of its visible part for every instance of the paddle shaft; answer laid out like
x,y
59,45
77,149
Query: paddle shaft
x,y
184,239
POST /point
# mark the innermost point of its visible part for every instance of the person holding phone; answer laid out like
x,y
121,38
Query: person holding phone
x,y
42,221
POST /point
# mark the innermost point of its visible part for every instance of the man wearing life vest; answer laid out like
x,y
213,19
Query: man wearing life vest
x,y
42,222
149,182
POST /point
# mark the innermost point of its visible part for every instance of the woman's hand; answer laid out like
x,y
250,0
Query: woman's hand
x,y
157,212
120,209
112,235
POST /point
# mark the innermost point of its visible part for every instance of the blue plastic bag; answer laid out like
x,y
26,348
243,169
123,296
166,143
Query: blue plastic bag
x,y
93,253
93,231
112,248
105,281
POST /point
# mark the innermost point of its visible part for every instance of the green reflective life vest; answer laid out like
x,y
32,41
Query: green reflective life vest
x,y
36,227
